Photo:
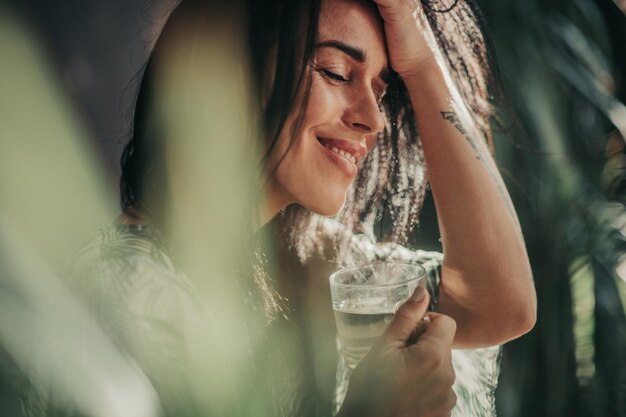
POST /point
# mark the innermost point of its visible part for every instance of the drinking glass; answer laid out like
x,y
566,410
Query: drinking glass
x,y
364,300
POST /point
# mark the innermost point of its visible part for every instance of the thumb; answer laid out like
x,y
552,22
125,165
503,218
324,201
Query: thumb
x,y
441,331
407,317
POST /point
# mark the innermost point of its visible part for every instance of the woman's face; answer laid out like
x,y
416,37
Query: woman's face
x,y
342,119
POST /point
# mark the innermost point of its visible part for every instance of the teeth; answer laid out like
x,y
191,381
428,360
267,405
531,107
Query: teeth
x,y
344,154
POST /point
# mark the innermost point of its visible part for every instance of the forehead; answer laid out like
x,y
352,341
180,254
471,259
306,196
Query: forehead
x,y
356,23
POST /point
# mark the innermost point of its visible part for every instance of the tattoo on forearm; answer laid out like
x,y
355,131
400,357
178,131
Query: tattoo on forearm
x,y
452,117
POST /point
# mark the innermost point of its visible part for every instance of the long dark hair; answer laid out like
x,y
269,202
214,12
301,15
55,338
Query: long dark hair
x,y
281,38
279,46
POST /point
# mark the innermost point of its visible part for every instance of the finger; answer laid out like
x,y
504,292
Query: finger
x,y
407,317
441,330
418,330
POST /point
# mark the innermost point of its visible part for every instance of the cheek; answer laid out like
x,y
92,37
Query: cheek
x,y
325,104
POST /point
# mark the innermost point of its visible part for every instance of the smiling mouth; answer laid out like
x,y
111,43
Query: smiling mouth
x,y
343,153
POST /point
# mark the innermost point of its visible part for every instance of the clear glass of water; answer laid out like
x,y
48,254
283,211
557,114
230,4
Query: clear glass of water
x,y
364,300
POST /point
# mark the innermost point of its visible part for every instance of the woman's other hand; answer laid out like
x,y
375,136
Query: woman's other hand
x,y
406,35
396,379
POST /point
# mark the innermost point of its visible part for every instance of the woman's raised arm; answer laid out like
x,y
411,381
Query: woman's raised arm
x,y
487,282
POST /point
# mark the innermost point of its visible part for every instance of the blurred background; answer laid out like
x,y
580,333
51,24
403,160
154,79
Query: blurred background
x,y
559,143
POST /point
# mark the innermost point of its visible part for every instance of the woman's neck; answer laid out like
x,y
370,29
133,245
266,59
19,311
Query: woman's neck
x,y
267,211
274,202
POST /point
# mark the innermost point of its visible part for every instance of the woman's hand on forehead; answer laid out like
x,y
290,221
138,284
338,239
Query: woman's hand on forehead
x,y
408,35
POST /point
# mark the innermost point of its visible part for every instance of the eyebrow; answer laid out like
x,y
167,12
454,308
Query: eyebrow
x,y
353,52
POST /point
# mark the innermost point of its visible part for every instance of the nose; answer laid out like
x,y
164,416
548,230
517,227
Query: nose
x,y
364,115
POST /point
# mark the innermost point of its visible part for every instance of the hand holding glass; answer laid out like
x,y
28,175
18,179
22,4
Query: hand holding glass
x,y
365,298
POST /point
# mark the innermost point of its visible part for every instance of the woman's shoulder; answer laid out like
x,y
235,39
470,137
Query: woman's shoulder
x,y
122,249
127,281
129,270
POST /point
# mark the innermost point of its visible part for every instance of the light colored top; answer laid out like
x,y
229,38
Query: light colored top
x,y
127,278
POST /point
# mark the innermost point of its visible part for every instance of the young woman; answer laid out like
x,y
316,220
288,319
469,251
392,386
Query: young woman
x,y
344,86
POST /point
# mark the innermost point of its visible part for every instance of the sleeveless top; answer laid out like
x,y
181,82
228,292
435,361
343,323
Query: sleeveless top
x,y
127,278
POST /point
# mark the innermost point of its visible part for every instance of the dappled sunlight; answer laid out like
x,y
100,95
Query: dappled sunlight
x,y
218,339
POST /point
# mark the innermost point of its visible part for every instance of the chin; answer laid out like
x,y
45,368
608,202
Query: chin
x,y
328,206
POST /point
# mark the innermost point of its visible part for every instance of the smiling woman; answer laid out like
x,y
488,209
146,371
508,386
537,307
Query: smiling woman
x,y
342,113
357,98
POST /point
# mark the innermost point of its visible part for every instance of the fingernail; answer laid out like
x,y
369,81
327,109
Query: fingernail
x,y
418,294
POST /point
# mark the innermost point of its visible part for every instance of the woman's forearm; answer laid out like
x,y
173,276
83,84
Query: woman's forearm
x,y
487,282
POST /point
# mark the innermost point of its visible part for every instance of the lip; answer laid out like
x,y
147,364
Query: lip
x,y
357,149
346,167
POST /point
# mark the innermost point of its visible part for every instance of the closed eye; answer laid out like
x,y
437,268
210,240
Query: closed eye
x,y
334,75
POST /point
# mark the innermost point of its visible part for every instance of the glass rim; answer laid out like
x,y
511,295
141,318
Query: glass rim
x,y
421,274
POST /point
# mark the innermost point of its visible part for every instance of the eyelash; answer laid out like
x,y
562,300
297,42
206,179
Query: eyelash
x,y
334,76
339,78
